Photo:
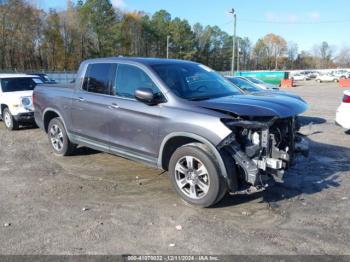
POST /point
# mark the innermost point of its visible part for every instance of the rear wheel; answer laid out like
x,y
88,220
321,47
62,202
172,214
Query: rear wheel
x,y
58,138
9,121
195,177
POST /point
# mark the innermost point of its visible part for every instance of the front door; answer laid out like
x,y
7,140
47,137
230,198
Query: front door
x,y
135,126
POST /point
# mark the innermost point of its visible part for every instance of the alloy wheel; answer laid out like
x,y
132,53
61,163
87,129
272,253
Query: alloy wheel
x,y
56,137
192,177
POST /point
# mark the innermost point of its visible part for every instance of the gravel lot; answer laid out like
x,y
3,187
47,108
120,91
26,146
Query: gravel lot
x,y
95,203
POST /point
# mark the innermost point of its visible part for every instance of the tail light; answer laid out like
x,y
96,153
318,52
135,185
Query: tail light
x,y
346,98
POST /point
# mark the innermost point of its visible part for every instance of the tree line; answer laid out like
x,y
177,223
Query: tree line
x,y
34,39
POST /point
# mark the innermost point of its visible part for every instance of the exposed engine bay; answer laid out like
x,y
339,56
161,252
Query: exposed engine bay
x,y
263,148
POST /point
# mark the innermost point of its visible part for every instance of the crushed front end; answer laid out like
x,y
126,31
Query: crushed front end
x,y
263,148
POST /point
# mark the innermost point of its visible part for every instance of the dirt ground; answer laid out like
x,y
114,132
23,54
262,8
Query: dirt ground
x,y
95,203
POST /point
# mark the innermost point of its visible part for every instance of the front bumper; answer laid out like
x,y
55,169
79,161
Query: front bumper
x,y
24,117
258,172
267,160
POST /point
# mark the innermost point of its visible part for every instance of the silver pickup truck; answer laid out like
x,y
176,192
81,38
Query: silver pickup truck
x,y
179,116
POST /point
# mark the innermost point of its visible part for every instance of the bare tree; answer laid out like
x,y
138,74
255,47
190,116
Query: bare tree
x,y
276,46
343,57
292,53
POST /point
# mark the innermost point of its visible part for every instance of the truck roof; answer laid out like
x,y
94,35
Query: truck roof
x,y
141,60
15,75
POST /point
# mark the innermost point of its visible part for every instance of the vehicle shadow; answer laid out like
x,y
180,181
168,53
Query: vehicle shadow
x,y
84,151
24,126
323,169
27,126
310,120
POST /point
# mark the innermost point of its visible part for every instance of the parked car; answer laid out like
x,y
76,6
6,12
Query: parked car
x,y
245,85
16,99
300,77
327,78
343,112
44,78
313,74
309,74
248,87
261,84
341,73
176,115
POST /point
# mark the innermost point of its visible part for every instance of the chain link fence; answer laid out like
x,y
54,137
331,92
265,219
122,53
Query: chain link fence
x,y
63,77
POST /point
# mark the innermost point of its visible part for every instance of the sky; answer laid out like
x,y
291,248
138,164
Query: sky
x,y
305,22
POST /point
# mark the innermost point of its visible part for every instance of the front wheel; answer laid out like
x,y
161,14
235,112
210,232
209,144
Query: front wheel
x,y
195,177
58,138
9,121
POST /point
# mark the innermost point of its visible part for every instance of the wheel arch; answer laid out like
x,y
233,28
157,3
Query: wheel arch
x,y
175,140
50,114
2,107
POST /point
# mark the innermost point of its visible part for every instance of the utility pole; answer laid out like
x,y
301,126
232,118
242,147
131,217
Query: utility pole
x,y
167,46
238,54
233,41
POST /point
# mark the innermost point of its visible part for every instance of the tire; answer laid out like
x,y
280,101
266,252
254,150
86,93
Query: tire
x,y
199,190
335,80
58,138
9,121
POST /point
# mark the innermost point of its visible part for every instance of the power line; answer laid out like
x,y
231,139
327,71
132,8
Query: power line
x,y
229,22
294,23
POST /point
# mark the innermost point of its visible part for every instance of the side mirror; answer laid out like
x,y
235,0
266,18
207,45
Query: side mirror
x,y
145,95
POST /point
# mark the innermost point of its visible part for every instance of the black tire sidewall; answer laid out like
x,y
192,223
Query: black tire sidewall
x,y
65,148
214,176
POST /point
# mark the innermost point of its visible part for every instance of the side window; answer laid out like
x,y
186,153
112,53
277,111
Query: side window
x,y
98,78
129,78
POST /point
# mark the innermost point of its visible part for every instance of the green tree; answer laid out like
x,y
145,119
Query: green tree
x,y
53,41
101,27
160,24
182,39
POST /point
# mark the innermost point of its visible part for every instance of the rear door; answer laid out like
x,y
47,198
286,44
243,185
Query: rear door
x,y
91,113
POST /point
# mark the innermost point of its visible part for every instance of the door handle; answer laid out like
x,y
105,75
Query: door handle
x,y
114,106
81,99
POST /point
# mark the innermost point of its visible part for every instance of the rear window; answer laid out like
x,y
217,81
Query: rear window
x,y
98,78
19,84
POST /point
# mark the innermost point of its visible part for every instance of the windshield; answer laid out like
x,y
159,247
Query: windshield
x,y
255,80
45,78
244,85
194,81
19,84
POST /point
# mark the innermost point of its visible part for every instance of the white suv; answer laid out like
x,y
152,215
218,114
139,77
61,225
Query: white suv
x,y
343,112
16,103
327,78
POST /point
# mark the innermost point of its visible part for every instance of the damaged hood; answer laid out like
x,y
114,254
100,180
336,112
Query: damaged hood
x,y
262,104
